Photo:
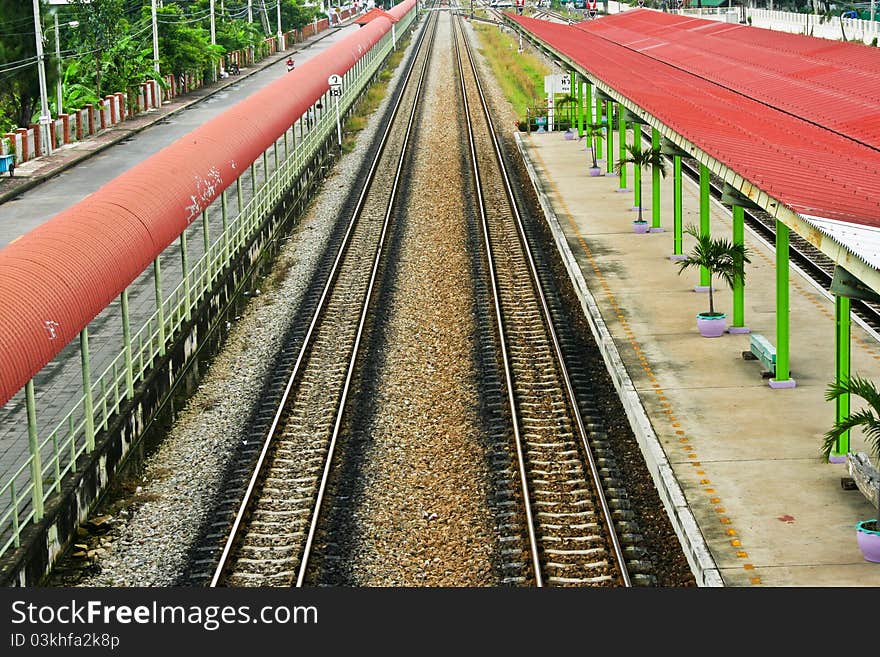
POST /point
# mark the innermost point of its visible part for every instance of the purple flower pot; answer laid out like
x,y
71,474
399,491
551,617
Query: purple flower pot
x,y
640,226
869,541
711,326
595,171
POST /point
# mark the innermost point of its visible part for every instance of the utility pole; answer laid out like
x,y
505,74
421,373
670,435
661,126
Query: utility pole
x,y
58,64
155,39
45,117
251,20
278,15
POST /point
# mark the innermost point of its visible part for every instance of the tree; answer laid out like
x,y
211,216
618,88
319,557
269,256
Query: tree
x,y
867,419
19,81
719,256
642,159
183,48
101,24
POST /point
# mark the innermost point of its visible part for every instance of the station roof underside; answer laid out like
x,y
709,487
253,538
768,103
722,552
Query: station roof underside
x,y
794,121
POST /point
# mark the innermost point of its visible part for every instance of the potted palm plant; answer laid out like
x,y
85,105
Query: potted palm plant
x,y
591,132
642,160
865,474
722,258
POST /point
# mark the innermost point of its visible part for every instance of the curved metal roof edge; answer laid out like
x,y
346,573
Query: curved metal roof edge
x,y
837,251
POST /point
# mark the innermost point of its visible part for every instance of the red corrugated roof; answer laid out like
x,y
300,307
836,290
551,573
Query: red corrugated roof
x,y
375,13
831,83
55,279
812,170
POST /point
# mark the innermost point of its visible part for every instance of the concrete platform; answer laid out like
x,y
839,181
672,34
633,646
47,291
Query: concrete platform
x,y
738,462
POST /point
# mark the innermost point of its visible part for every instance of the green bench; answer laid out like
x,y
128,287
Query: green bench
x,y
763,350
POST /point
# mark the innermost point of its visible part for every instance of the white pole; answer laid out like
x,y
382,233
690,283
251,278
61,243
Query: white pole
x,y
213,32
58,63
155,40
338,124
278,17
251,20
45,117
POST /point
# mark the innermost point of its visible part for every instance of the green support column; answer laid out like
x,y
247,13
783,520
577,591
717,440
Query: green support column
x,y
184,261
621,145
265,167
588,103
126,337
599,121
704,221
655,183
677,253
637,171
275,148
34,447
88,404
160,306
609,136
238,194
783,377
580,102
842,306
253,180
739,312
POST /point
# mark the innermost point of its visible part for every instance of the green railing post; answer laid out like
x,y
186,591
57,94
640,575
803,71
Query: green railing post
x,y
783,378
16,538
88,406
676,209
739,312
621,145
253,180
206,242
160,306
238,194
599,121
184,261
33,447
842,308
704,220
224,214
126,337
265,167
655,182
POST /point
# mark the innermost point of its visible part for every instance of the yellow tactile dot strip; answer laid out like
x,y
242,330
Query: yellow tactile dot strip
x,y
724,520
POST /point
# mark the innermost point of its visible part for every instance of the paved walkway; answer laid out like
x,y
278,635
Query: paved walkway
x,y
32,173
738,461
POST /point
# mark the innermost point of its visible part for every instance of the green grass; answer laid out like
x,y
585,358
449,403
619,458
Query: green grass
x,y
520,76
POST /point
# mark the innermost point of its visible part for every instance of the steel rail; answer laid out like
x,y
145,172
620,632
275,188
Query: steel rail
x,y
313,525
307,340
505,357
548,319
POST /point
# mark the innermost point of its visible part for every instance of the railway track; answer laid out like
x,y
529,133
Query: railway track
x,y
272,535
568,521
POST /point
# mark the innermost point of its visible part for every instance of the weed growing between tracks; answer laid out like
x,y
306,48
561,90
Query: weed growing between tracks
x,y
520,75
371,99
